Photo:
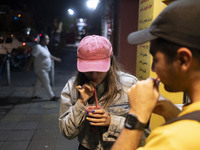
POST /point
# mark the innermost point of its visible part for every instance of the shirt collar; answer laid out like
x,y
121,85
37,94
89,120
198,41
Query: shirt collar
x,y
190,108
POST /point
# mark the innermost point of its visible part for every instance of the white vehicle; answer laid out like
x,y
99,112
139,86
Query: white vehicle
x,y
8,43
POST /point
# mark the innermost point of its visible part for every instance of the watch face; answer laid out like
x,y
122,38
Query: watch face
x,y
130,121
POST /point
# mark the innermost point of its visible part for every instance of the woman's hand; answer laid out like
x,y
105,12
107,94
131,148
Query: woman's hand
x,y
86,91
98,117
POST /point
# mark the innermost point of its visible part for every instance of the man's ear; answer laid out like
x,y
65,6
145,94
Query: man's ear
x,y
184,56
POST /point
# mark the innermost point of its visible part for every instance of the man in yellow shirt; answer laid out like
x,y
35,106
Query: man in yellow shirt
x,y
175,47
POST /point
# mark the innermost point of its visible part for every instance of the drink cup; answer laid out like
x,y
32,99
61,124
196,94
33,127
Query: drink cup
x,y
91,108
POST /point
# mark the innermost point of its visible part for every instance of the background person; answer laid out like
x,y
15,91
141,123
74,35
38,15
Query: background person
x,y
97,68
42,65
175,47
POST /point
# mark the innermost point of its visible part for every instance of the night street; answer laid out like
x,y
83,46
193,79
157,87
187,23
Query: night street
x,y
33,124
63,70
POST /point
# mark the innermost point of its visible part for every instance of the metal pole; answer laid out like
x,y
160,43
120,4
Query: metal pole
x,y
8,71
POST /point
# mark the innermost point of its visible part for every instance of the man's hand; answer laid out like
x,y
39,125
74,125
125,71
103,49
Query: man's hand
x,y
56,58
166,109
143,97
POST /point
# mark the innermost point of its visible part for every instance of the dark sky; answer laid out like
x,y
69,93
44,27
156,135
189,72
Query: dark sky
x,y
44,11
49,8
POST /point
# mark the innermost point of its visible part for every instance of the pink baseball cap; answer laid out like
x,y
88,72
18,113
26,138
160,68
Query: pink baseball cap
x,y
94,53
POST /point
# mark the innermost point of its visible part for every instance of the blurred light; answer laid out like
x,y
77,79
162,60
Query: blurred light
x,y
40,34
70,11
11,35
80,19
92,4
36,40
23,43
28,31
19,15
81,22
16,18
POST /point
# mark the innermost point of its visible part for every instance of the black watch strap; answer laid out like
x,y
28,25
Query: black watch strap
x,y
132,123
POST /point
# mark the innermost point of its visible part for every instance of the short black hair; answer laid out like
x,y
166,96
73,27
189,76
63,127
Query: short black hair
x,y
170,49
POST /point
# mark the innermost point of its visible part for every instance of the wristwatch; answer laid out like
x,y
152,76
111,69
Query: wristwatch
x,y
132,123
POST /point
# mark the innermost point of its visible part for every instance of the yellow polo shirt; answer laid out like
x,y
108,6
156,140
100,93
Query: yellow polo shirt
x,y
180,135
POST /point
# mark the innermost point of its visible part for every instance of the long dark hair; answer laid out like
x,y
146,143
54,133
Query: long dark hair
x,y
111,82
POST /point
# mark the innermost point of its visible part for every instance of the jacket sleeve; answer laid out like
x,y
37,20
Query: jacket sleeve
x,y
119,110
72,112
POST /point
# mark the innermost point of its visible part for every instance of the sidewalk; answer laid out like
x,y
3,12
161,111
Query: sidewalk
x,y
27,124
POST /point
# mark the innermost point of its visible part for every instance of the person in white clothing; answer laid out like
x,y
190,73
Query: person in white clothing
x,y
41,57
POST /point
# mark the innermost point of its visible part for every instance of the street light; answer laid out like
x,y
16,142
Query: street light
x,y
70,12
92,4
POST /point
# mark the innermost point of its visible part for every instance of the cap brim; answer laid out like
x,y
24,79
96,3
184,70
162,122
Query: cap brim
x,y
102,65
140,37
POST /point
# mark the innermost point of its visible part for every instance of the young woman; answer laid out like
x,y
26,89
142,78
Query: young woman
x,y
98,79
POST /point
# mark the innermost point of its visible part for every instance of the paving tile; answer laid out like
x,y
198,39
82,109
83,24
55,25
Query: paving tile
x,y
5,109
42,144
21,135
8,125
36,111
1,116
48,125
46,134
66,144
44,107
21,92
4,135
60,136
26,125
15,145
23,105
1,143
50,117
5,91
12,117
63,142
18,110
31,117
51,105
